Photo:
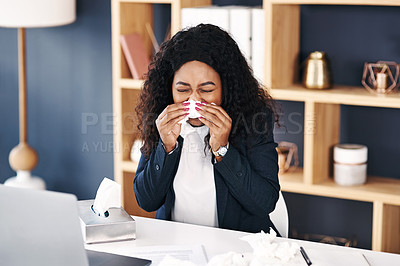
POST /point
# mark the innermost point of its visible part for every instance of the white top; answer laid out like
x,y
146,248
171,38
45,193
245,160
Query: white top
x,y
194,186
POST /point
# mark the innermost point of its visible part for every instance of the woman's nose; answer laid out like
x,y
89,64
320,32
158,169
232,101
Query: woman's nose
x,y
195,97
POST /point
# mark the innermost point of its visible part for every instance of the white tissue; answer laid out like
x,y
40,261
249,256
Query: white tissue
x,y
108,195
265,250
192,111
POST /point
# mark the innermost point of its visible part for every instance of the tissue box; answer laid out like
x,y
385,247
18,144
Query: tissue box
x,y
119,225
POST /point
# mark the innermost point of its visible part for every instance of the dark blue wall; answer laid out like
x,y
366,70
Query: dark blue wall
x,y
69,84
69,78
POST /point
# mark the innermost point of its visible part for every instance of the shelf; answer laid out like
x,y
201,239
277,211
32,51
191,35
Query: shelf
x,y
129,166
337,95
134,84
338,2
386,190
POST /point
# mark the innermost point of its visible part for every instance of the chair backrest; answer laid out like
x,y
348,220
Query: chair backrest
x,y
280,216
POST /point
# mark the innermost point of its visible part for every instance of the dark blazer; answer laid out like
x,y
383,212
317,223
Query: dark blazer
x,y
246,181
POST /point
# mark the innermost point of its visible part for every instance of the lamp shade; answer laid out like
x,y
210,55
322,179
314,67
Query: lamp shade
x,y
36,13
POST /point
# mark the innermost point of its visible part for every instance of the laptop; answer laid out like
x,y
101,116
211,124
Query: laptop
x,y
43,228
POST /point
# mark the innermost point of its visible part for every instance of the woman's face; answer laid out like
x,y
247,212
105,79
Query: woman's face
x,y
196,81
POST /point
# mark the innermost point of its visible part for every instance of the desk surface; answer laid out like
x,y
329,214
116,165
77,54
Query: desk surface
x,y
216,241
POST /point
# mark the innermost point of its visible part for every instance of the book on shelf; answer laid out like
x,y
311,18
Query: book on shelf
x,y
135,54
215,15
237,20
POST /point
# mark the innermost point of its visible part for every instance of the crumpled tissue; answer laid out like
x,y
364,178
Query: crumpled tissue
x,y
108,195
267,252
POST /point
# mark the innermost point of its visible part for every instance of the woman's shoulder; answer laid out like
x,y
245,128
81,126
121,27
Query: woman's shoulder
x,y
257,128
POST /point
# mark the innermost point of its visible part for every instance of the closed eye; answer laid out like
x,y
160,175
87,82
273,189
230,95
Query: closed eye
x,y
206,91
182,86
183,90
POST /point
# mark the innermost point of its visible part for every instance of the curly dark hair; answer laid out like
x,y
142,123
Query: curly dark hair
x,y
243,98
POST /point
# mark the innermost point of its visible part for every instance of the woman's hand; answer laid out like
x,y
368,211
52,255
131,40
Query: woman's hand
x,y
218,121
167,124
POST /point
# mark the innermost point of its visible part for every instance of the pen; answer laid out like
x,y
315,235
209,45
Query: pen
x,y
306,258
366,259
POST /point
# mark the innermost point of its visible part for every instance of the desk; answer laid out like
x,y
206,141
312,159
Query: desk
x,y
215,241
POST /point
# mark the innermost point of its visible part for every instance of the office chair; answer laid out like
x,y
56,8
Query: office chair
x,y
280,216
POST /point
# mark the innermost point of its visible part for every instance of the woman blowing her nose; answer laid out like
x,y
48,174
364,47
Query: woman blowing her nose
x,y
209,154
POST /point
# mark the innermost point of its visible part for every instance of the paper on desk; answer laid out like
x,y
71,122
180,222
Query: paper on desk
x,y
108,195
186,254
171,261
323,257
231,259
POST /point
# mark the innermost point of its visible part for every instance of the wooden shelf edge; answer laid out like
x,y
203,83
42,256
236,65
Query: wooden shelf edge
x,y
382,189
338,2
129,166
349,95
133,84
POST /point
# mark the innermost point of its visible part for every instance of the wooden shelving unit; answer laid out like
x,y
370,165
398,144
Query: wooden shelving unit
x,y
321,109
322,121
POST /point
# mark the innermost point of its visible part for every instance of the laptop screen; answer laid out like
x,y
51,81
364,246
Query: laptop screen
x,y
40,228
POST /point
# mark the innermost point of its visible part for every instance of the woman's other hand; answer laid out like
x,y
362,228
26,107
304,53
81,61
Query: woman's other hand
x,y
218,121
168,126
